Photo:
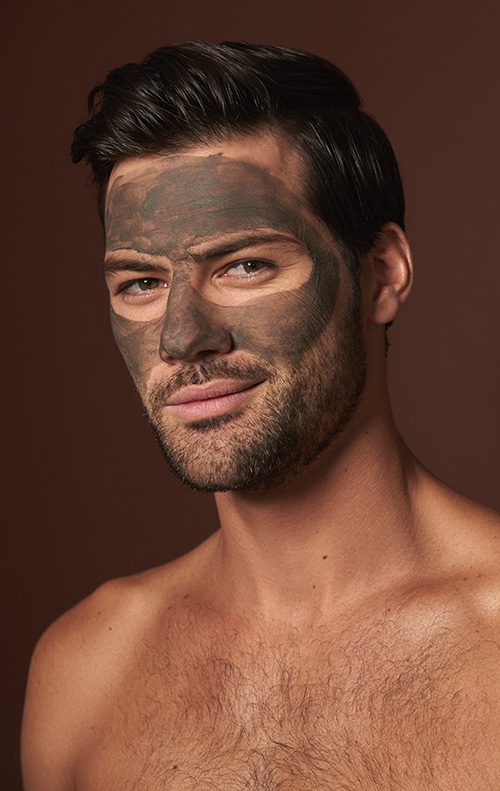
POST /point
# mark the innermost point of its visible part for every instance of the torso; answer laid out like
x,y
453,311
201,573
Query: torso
x,y
390,699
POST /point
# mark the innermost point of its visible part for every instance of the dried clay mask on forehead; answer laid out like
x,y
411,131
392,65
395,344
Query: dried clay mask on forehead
x,y
166,209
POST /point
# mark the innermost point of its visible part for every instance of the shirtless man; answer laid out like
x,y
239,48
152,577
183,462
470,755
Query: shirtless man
x,y
341,629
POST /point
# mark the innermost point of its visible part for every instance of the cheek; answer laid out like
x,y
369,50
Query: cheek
x,y
138,342
283,327
278,327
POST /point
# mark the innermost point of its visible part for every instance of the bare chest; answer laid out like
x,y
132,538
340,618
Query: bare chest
x,y
354,716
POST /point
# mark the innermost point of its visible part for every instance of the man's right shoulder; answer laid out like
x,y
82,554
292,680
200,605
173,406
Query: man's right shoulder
x,y
77,664
90,627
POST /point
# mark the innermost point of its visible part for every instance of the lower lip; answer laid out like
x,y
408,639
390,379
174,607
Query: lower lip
x,y
211,407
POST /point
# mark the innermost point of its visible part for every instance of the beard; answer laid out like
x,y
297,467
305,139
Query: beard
x,y
302,410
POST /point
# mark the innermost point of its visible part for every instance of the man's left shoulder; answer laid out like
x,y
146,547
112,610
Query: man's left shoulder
x,y
465,556
465,610
479,608
477,650
475,586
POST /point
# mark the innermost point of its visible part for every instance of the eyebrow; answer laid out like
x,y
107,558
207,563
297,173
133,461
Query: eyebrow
x,y
111,265
240,243
117,264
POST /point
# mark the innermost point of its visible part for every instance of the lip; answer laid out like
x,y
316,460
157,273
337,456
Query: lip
x,y
215,398
221,387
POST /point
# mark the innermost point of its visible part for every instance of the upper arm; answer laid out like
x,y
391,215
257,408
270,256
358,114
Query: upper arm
x,y
74,671
48,734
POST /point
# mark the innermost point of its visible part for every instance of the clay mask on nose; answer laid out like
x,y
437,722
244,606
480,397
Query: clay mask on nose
x,y
191,325
168,208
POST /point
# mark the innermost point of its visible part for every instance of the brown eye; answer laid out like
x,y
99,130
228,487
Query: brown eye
x,y
249,267
147,283
142,286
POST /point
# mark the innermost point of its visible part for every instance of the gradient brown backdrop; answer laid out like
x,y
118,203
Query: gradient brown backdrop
x,y
87,496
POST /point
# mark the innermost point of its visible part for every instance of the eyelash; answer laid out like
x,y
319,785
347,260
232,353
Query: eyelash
x,y
265,265
125,287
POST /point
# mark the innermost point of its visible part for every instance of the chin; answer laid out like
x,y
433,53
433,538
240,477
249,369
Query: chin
x,y
219,456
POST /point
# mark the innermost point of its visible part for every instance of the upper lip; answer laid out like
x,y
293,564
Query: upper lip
x,y
215,389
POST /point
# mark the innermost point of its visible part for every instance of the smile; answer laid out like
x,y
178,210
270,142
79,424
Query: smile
x,y
205,401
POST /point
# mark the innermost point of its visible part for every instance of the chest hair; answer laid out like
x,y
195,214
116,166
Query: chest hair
x,y
363,709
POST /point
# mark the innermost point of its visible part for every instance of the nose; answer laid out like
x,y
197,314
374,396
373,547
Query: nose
x,y
192,330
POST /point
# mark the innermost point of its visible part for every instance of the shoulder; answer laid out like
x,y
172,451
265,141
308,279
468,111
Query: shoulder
x,y
77,665
450,627
475,645
449,612
109,615
460,538
61,682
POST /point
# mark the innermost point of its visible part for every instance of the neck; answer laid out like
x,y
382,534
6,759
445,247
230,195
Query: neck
x,y
346,528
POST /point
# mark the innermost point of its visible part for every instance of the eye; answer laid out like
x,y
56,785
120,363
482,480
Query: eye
x,y
245,269
142,286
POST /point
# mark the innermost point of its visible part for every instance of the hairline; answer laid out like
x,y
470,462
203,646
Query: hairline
x,y
274,127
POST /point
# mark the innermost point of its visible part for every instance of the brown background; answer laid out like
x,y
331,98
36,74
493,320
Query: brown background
x,y
87,496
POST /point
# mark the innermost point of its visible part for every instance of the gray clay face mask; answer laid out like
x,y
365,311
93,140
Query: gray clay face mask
x,y
242,282
167,210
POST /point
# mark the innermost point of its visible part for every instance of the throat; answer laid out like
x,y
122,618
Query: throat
x,y
338,536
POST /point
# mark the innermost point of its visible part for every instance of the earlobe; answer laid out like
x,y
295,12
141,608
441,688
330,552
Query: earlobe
x,y
391,273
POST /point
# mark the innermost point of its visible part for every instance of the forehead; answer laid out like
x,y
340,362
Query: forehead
x,y
159,201
267,150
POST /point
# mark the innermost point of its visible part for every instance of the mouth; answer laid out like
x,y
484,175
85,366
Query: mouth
x,y
206,401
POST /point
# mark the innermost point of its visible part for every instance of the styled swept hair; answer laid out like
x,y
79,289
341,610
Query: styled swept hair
x,y
194,93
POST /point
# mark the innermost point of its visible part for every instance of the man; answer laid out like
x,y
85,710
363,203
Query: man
x,y
341,629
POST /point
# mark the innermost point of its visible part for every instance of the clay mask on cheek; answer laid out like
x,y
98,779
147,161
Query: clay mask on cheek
x,y
165,211
303,357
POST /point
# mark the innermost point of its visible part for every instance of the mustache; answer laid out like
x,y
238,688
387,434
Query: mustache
x,y
201,374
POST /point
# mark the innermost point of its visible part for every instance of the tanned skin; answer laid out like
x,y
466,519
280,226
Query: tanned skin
x,y
341,629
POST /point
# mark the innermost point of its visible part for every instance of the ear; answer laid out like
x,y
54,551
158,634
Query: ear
x,y
389,272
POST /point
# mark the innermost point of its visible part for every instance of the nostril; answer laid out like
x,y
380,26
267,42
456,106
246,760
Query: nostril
x,y
170,354
193,341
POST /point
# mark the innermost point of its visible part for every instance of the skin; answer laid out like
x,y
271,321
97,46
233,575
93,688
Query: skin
x,y
267,327
342,628
221,207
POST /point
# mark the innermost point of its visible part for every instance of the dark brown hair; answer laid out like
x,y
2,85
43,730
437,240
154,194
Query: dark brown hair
x,y
196,92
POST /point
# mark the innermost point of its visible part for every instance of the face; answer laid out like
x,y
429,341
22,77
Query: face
x,y
233,310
